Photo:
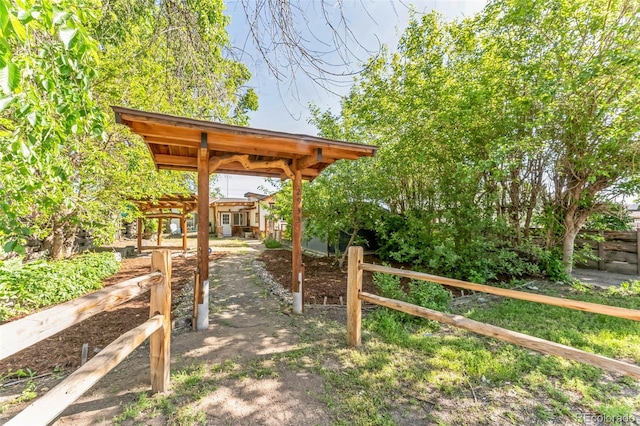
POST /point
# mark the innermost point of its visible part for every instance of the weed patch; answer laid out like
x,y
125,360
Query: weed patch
x,y
27,287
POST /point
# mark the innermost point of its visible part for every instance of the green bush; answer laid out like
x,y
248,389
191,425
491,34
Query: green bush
x,y
460,247
421,293
271,243
25,287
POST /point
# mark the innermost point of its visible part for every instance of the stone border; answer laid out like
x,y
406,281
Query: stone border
x,y
274,286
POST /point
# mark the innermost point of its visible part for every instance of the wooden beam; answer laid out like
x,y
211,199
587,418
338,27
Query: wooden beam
x,y
516,338
309,160
160,340
48,407
185,137
216,162
164,215
161,247
24,332
203,232
307,174
595,308
175,160
159,231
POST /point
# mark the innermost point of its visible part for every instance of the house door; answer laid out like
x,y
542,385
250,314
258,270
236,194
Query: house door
x,y
226,224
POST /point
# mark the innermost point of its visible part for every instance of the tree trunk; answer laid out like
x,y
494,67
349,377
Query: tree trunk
x,y
70,235
63,237
57,243
354,234
567,249
574,220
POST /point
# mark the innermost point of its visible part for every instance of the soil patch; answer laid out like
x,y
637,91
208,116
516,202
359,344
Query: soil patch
x,y
63,350
323,278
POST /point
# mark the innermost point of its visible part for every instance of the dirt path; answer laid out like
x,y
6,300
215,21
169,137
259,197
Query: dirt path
x,y
249,334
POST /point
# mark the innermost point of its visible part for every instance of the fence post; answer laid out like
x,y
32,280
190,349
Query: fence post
x,y
354,305
160,340
638,250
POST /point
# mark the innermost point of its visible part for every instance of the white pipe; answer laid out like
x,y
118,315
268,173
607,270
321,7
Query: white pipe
x,y
202,322
297,297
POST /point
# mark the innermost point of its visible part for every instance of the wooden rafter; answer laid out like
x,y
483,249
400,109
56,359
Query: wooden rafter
x,y
309,160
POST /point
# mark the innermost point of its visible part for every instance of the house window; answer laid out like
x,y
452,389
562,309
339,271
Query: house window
x,y
257,219
239,219
225,219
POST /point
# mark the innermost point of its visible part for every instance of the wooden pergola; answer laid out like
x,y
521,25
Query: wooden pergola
x,y
205,147
166,207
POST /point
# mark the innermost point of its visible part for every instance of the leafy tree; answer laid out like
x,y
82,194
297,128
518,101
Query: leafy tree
x,y
47,62
582,62
162,56
526,113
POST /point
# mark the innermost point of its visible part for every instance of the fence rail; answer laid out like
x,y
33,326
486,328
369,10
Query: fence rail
x,y
355,297
27,331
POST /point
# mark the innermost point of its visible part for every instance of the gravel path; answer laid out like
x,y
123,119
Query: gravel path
x,y
249,327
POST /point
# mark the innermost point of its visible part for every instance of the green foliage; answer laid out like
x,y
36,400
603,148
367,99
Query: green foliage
x,y
479,139
429,295
150,225
27,287
550,262
471,252
615,218
271,243
47,68
627,288
421,293
67,166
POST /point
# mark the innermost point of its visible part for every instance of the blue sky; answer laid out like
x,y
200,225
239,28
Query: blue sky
x,y
284,105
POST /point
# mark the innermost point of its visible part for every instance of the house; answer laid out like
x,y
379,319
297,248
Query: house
x,y
242,217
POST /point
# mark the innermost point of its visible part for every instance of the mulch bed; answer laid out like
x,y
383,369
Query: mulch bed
x,y
63,350
323,276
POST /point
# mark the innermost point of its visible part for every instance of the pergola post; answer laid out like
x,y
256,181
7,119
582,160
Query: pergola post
x,y
296,243
201,288
183,229
159,232
139,235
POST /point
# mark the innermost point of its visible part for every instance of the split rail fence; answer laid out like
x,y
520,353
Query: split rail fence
x,y
355,297
22,333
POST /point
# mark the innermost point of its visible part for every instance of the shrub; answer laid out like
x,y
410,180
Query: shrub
x,y
459,247
421,293
271,243
25,287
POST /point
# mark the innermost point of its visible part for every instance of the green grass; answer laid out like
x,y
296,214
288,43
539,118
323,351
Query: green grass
x,y
188,387
422,369
27,287
178,407
228,243
417,372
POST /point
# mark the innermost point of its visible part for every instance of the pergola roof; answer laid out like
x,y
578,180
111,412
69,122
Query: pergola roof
x,y
174,143
232,202
158,207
